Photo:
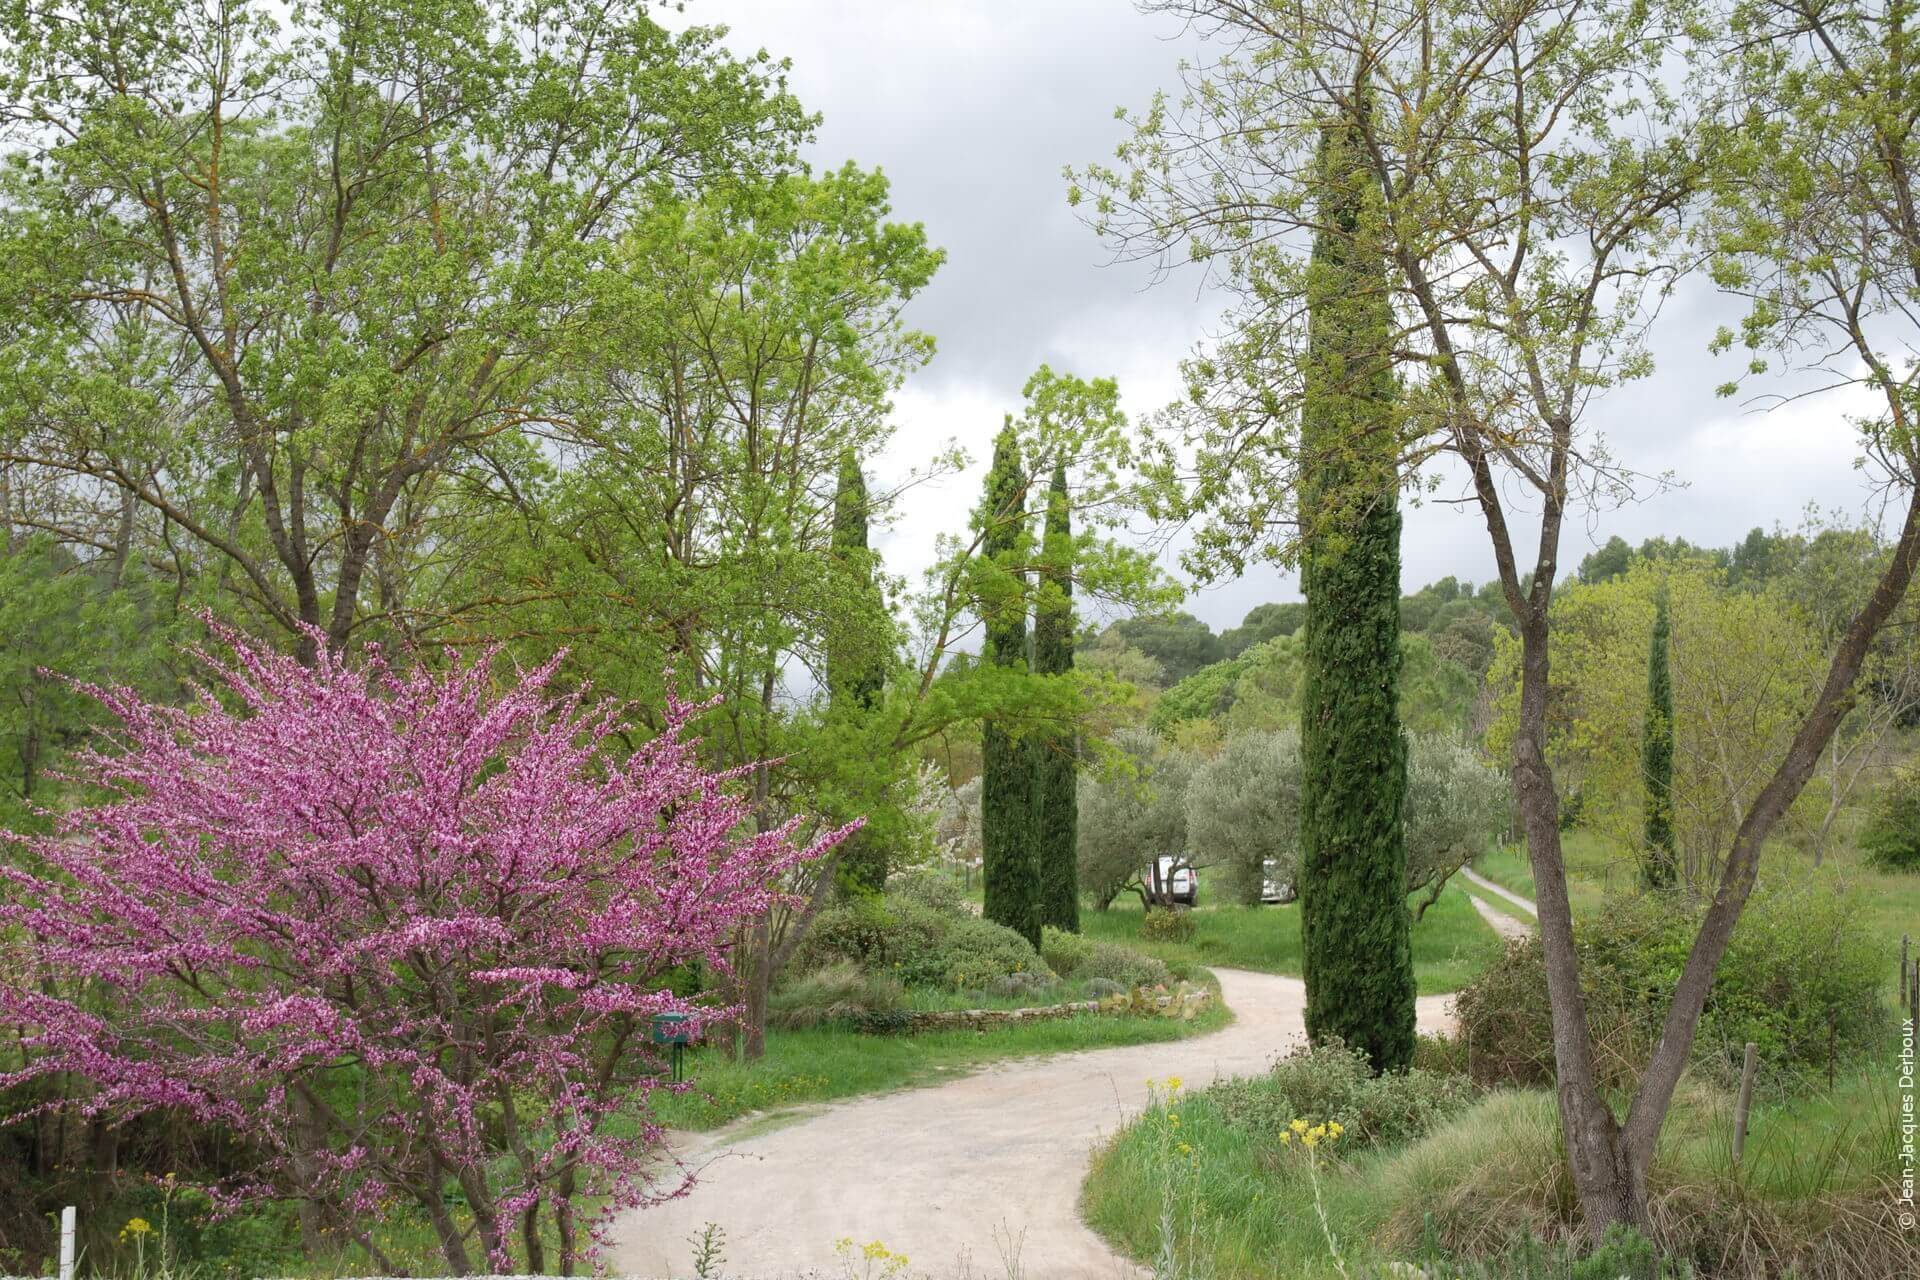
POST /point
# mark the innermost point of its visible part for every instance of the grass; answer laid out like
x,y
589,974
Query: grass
x,y
1593,863
1815,1191
1888,902
823,1064
1451,943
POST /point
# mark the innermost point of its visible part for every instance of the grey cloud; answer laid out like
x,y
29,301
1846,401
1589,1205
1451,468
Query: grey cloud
x,y
972,107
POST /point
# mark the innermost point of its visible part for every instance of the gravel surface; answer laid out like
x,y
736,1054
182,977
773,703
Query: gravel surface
x,y
957,1176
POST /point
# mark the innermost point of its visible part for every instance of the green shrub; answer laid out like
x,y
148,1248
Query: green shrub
x,y
1101,988
974,954
1111,962
1035,988
1164,925
1891,839
886,935
931,888
1332,1082
1800,979
840,992
1064,952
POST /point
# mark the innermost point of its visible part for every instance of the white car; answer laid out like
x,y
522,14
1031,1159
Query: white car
x,y
1272,887
1171,879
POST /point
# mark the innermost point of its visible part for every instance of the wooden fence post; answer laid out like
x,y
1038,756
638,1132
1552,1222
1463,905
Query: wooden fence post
x,y
1745,1103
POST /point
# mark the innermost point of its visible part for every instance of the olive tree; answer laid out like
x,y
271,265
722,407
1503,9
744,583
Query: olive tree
x,y
1243,812
1132,812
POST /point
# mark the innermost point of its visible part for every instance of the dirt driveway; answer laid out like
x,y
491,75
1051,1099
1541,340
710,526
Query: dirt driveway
x,y
950,1173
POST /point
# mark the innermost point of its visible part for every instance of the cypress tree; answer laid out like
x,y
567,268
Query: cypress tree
x,y
1656,755
1009,869
855,679
1056,779
1354,923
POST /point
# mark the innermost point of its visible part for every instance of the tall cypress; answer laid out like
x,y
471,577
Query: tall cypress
x,y
1354,925
1658,868
855,677
1056,778
1009,869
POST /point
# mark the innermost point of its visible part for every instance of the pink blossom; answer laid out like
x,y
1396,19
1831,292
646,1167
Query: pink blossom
x,y
399,929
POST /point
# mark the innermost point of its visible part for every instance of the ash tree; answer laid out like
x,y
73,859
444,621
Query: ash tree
x,y
402,933
293,286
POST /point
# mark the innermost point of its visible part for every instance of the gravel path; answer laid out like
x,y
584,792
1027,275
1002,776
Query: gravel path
x,y
949,1173
1479,881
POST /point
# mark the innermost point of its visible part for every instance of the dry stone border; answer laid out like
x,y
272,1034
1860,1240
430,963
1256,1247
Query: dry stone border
x,y
1183,1003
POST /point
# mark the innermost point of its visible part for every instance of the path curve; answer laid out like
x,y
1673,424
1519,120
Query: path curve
x,y
946,1172
1479,881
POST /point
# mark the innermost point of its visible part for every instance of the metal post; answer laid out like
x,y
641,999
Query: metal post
x,y
1741,1107
66,1243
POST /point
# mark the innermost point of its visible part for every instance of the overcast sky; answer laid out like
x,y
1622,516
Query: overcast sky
x,y
972,108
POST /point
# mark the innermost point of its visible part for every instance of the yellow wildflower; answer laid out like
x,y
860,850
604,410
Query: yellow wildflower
x,y
136,1227
1298,1126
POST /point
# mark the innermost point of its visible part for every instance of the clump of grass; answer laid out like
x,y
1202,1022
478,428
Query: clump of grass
x,y
841,992
1486,1193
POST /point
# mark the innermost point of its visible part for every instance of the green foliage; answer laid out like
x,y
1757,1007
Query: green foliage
x,y
1243,812
1891,839
1743,666
1656,756
917,945
1330,1082
1259,690
1800,979
839,992
1167,924
351,258
1179,642
1056,754
1357,958
1132,813
1263,622
1090,960
1456,804
1125,967
976,953
61,619
856,679
1010,871
1064,952
929,887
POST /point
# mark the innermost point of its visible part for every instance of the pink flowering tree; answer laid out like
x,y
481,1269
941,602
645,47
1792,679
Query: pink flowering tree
x,y
405,933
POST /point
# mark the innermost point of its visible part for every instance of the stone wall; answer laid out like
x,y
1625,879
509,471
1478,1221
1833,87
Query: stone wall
x,y
1182,1003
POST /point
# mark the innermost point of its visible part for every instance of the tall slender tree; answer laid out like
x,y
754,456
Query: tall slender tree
x,y
1354,925
1055,783
1009,869
1656,754
855,675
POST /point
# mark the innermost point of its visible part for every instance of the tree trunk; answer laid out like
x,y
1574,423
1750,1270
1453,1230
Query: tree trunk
x,y
759,985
